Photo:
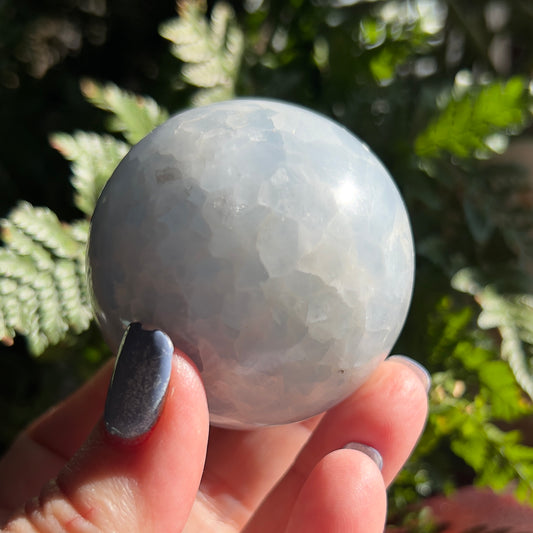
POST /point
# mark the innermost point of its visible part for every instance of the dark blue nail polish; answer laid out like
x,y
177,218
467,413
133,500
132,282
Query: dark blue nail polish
x,y
139,383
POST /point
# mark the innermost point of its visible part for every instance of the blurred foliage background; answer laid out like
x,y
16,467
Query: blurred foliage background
x,y
441,90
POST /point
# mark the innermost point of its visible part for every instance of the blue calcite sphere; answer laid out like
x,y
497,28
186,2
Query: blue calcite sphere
x,y
269,243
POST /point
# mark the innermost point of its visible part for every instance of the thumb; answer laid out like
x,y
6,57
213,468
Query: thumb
x,y
140,468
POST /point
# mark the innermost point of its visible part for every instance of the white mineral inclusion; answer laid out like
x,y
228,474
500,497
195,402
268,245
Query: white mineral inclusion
x,y
269,243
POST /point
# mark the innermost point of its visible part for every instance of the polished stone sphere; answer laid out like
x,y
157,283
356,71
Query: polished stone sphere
x,y
269,243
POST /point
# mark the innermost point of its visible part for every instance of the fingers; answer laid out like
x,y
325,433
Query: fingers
x,y
387,413
241,468
64,428
42,450
141,466
344,492
233,489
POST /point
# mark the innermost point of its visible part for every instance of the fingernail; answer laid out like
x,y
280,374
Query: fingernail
x,y
419,370
367,450
139,383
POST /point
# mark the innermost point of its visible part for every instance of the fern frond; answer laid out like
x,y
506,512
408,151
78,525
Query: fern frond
x,y
212,51
23,245
207,72
509,313
42,278
132,115
207,96
43,226
79,229
93,157
465,126
75,304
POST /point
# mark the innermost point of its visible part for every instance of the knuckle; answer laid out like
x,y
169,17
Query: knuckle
x,y
52,512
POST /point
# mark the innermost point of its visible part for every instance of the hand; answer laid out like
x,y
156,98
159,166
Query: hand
x,y
144,467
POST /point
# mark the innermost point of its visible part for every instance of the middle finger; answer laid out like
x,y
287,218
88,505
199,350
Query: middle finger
x,y
241,468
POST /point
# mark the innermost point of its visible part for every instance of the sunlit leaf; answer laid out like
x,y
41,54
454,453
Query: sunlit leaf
x,y
463,126
210,50
42,278
132,115
93,157
498,310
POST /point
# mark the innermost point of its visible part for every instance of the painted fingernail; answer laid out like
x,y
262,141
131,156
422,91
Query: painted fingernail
x,y
420,371
139,383
367,450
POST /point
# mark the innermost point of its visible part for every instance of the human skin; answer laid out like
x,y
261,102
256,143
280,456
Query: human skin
x,y
185,476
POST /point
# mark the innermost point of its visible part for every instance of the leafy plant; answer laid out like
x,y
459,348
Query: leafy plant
x,y
132,115
93,157
471,121
508,306
42,277
414,80
211,52
42,263
467,404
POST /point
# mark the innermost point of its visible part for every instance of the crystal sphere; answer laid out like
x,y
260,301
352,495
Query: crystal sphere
x,y
269,243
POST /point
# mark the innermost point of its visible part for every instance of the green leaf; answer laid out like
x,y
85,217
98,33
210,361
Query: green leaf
x,y
134,116
210,50
372,32
43,227
512,463
506,311
384,63
506,402
93,157
42,278
514,350
391,41
474,451
497,457
464,127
